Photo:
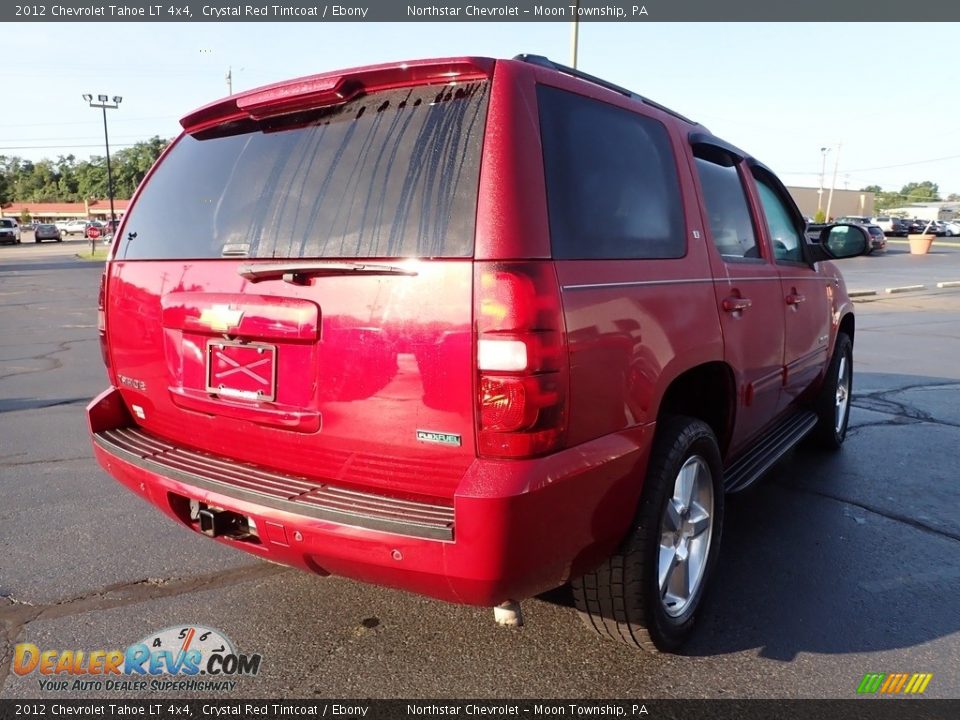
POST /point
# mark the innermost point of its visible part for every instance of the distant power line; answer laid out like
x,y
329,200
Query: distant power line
x,y
881,167
64,147
88,122
916,162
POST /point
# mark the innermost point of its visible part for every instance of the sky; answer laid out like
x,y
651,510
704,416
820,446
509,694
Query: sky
x,y
882,98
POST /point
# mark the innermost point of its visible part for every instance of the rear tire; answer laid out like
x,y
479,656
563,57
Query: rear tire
x,y
833,403
647,594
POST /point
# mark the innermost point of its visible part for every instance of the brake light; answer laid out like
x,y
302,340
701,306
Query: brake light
x,y
521,358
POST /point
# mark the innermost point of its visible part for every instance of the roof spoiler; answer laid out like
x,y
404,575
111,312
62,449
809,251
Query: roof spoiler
x,y
334,88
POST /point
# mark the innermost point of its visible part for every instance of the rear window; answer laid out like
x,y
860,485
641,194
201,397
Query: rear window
x,y
392,174
612,187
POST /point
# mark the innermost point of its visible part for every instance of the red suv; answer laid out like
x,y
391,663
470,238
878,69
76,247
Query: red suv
x,y
473,328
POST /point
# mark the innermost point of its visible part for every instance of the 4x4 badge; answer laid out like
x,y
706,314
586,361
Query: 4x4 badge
x,y
220,317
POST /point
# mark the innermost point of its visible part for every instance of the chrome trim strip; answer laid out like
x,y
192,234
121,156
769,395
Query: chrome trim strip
x,y
690,281
638,283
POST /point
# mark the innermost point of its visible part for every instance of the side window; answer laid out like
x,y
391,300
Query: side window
x,y
781,225
612,186
726,204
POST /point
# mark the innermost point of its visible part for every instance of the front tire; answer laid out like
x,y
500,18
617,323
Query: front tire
x,y
647,594
833,403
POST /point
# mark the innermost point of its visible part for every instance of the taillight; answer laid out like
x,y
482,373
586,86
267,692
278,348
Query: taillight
x,y
521,359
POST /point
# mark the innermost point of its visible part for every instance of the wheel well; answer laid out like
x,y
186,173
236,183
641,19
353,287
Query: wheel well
x,y
705,392
847,325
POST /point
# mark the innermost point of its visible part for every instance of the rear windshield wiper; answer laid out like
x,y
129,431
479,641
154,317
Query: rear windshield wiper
x,y
298,272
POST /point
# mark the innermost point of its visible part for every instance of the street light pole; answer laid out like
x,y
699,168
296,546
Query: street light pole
x,y
103,102
833,184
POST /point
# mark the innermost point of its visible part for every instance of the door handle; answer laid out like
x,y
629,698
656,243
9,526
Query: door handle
x,y
795,299
735,304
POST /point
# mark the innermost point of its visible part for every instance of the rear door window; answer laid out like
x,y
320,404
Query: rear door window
x,y
392,174
725,199
612,187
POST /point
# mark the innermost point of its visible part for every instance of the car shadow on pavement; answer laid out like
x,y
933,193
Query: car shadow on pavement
x,y
70,264
16,404
848,552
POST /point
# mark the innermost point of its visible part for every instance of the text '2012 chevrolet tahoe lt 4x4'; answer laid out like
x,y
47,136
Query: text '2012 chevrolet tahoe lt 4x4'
x,y
472,328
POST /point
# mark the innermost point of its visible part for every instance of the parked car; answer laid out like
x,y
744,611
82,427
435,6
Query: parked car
x,y
862,219
926,227
9,231
878,241
952,228
891,225
46,231
540,412
74,226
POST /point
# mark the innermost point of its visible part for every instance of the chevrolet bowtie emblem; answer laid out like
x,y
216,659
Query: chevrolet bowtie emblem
x,y
221,317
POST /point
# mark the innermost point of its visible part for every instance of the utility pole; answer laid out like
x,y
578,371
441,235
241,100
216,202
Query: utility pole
x,y
575,35
230,80
833,183
103,102
823,172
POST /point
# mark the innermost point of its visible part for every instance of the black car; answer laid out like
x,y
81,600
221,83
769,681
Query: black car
x,y
46,231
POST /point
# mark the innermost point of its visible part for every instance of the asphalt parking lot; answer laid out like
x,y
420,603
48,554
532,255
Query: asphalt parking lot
x,y
837,566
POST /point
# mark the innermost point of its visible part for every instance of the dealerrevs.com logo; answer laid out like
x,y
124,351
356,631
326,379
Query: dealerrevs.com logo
x,y
186,657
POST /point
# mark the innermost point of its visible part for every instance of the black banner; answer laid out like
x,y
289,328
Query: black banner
x,y
858,11
864,708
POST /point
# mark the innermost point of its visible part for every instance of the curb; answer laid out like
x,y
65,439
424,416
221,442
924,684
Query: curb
x,y
904,288
872,294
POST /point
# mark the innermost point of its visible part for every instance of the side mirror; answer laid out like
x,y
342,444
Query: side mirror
x,y
839,241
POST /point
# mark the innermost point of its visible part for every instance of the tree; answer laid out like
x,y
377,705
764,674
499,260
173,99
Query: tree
x,y
883,200
68,180
953,197
131,164
25,216
5,196
921,192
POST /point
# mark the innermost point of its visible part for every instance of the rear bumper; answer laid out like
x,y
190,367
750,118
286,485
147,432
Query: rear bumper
x,y
513,529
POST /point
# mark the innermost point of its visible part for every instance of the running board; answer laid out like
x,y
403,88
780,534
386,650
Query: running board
x,y
765,452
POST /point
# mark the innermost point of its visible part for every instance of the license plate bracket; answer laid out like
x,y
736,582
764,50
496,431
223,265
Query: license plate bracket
x,y
241,371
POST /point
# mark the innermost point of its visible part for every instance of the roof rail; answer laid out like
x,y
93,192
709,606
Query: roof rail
x,y
546,62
